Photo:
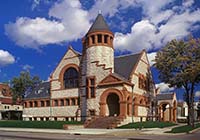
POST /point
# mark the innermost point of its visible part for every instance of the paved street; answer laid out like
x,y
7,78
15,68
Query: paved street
x,y
4,135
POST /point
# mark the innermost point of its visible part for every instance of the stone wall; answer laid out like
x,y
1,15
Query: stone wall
x,y
65,93
103,54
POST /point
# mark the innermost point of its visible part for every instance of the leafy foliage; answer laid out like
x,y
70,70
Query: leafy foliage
x,y
178,64
20,84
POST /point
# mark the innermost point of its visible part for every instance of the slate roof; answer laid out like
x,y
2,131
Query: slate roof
x,y
165,96
123,65
40,91
99,24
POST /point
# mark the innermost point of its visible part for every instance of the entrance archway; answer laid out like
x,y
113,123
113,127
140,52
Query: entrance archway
x,y
113,104
165,112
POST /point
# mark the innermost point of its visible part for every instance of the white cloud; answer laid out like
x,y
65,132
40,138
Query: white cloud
x,y
31,33
72,24
141,36
151,57
110,7
6,58
27,67
197,93
188,3
161,22
155,31
164,87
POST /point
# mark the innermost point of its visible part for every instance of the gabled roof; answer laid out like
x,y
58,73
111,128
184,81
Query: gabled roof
x,y
123,65
99,24
40,91
165,96
112,79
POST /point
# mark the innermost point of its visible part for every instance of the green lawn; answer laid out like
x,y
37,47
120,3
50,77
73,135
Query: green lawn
x,y
37,124
148,124
184,129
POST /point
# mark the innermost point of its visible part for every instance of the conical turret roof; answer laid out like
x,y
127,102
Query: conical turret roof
x,y
99,24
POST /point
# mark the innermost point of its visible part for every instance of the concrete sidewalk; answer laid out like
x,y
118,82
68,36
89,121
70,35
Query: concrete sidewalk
x,y
84,131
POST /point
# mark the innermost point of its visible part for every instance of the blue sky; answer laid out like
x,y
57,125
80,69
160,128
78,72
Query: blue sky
x,y
35,34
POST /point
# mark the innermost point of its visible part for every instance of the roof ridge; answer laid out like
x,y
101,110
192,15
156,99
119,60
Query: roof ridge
x,y
125,55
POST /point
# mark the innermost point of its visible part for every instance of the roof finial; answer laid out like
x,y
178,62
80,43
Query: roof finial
x,y
99,11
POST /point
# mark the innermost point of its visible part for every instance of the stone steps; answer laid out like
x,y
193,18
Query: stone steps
x,y
103,122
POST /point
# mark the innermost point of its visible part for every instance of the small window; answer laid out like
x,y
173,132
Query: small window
x,y
47,119
67,102
31,104
92,112
48,103
90,87
106,39
61,102
55,102
55,118
73,101
99,36
35,104
42,103
67,119
93,39
30,119
35,119
41,119
72,118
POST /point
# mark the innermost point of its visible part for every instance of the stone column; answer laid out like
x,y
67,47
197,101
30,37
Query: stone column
x,y
130,109
170,114
102,39
174,114
123,108
102,109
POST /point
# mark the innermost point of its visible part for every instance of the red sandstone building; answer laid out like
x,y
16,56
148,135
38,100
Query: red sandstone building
x,y
95,84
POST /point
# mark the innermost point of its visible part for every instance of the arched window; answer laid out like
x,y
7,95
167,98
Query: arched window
x,y
71,78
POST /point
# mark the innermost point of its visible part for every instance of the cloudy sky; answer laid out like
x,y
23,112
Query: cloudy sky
x,y
35,34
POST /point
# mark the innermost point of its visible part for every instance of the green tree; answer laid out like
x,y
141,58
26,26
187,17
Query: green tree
x,y
178,64
21,84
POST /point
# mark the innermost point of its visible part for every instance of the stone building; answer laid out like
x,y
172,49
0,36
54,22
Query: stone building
x,y
8,110
95,83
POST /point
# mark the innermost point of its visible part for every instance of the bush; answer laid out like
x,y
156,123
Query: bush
x,y
184,129
148,124
37,124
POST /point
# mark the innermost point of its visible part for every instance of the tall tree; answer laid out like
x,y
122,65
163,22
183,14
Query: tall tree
x,y
20,84
178,64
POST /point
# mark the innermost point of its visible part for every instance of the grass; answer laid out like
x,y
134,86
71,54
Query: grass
x,y
148,124
184,129
37,124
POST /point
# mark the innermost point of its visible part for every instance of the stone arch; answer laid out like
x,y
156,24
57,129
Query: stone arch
x,y
61,75
122,102
165,111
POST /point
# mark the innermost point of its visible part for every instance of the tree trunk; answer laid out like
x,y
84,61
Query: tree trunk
x,y
192,105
